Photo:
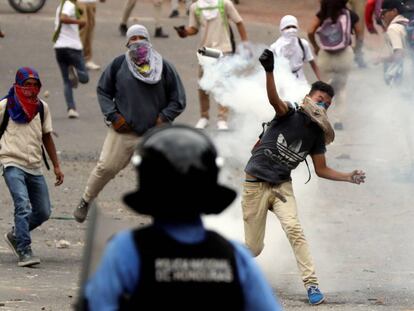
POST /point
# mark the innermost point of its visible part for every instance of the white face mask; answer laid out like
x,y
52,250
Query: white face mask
x,y
290,33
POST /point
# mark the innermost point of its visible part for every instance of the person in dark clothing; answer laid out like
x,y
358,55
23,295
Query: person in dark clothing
x,y
176,259
137,91
291,136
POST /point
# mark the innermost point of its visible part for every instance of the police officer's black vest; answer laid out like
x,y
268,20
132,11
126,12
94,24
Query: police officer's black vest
x,y
175,276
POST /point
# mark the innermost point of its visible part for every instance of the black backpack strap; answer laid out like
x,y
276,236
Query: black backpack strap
x,y
309,178
302,48
5,122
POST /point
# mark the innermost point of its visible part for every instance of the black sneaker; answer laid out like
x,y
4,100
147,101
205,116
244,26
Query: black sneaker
x,y
11,242
27,259
159,33
123,28
174,13
81,211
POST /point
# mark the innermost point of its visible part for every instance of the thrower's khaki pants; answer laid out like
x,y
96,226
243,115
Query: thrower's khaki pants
x,y
261,197
86,32
116,153
335,69
130,4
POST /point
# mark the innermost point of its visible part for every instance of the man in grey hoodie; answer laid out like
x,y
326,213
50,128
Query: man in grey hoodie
x,y
137,91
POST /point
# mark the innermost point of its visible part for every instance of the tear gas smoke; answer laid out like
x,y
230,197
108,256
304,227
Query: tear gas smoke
x,y
377,138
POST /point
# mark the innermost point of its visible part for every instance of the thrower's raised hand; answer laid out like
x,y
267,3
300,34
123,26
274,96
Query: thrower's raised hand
x,y
267,60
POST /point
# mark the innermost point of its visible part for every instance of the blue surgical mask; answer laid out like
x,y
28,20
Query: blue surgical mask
x,y
323,105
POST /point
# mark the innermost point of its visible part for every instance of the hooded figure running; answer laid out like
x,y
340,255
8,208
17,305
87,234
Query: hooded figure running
x,y
26,124
137,91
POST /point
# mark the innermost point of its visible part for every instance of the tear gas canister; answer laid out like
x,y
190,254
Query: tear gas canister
x,y
210,52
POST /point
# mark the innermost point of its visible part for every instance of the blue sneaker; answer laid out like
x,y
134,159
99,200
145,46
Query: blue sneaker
x,y
314,295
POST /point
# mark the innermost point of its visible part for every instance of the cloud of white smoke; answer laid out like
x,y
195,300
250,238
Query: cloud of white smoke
x,y
377,138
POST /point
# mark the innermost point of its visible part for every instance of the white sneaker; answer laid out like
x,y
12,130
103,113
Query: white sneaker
x,y
222,125
73,114
202,123
92,66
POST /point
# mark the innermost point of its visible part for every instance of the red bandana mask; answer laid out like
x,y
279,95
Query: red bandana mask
x,y
27,96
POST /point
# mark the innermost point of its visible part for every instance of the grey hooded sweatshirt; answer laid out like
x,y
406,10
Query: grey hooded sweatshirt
x,y
138,102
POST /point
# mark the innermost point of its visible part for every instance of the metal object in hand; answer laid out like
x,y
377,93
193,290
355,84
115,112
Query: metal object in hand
x,y
210,52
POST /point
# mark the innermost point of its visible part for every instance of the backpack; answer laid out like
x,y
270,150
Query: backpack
x,y
220,7
335,37
5,122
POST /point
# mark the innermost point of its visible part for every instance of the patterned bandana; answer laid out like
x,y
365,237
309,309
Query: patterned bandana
x,y
318,115
22,101
144,62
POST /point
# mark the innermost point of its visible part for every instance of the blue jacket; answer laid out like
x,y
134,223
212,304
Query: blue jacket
x,y
118,273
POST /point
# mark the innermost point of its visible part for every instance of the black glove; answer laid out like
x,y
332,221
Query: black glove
x,y
267,60
181,31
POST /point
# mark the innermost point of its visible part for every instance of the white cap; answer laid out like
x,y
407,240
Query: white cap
x,y
137,30
288,20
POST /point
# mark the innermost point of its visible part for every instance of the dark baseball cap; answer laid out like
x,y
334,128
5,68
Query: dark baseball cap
x,y
392,4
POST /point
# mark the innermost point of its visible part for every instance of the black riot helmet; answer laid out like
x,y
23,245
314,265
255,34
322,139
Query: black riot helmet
x,y
177,175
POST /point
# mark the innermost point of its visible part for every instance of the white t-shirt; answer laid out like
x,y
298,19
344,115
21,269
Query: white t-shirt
x,y
69,33
86,1
294,53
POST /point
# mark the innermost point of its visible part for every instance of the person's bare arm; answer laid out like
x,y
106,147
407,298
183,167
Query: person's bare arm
x,y
316,22
51,151
267,61
315,69
184,31
324,171
65,19
242,31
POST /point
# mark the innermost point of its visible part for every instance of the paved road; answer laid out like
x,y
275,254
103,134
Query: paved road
x,y
360,237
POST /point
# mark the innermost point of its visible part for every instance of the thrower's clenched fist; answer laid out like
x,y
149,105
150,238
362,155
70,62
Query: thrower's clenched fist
x,y
267,60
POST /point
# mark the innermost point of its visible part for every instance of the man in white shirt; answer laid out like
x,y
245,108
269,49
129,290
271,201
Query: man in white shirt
x,y
295,49
68,50
395,38
211,18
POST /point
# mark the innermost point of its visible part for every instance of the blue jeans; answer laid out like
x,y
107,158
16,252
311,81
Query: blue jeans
x,y
31,203
70,57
